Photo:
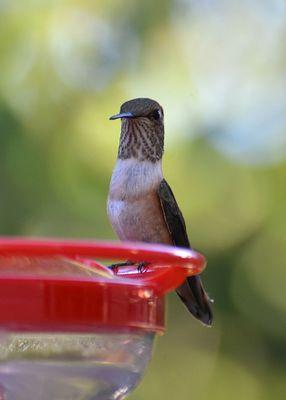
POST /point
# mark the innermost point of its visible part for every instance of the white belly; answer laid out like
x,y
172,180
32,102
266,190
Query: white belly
x,y
133,206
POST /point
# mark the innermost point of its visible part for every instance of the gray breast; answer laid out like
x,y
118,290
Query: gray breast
x,y
139,220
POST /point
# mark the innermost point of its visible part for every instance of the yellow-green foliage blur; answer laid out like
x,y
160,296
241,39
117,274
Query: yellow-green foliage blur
x,y
218,69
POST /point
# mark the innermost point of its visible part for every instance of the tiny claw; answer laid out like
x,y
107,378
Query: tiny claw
x,y
114,268
142,267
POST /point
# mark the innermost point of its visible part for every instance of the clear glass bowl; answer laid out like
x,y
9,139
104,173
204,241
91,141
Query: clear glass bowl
x,y
71,366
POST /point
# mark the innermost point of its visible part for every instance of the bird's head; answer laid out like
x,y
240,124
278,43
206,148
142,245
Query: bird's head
x,y
142,130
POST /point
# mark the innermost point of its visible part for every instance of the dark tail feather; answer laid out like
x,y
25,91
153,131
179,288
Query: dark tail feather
x,y
196,300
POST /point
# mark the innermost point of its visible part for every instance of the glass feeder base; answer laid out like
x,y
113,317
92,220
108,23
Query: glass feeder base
x,y
72,366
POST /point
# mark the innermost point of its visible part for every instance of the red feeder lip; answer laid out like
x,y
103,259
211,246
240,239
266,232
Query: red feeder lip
x,y
38,294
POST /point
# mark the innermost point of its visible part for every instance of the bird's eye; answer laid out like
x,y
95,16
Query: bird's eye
x,y
156,114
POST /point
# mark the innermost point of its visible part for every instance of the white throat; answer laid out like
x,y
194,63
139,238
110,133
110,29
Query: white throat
x,y
133,178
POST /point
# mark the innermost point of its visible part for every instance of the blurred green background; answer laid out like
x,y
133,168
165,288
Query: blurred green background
x,y
218,68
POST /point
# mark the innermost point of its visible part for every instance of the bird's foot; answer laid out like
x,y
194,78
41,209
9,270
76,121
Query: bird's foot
x,y
143,266
115,267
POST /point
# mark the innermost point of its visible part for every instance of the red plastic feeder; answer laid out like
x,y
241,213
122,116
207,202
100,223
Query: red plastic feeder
x,y
69,327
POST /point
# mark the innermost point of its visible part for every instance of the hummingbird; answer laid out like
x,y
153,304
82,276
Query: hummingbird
x,y
141,205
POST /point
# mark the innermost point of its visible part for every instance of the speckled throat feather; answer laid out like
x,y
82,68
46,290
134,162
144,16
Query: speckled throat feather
x,y
141,140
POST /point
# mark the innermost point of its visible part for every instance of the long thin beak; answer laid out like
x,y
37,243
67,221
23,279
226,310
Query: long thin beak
x,y
122,115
